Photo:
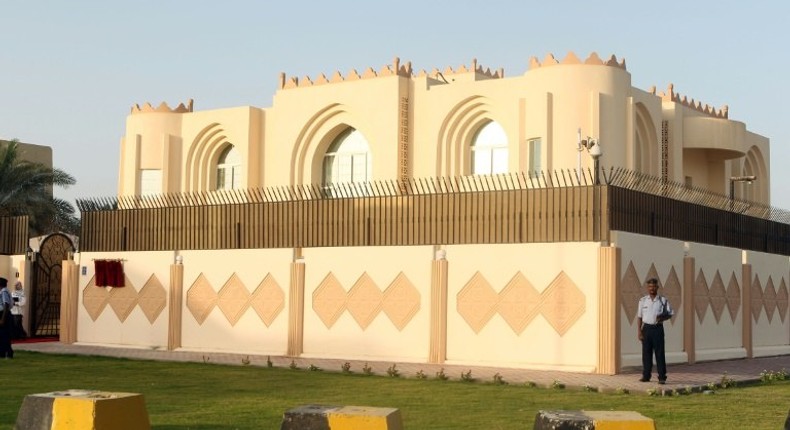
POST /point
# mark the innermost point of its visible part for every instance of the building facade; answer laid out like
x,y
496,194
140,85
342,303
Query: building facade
x,y
395,123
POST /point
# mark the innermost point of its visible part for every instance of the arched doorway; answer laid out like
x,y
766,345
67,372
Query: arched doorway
x,y
47,271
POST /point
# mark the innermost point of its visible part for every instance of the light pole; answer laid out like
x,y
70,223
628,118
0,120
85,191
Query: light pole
x,y
594,149
733,179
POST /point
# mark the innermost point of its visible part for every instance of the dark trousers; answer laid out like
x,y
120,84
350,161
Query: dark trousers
x,y
19,329
653,343
5,337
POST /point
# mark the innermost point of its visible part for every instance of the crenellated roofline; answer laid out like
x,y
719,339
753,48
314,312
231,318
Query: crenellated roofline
x,y
671,96
163,108
571,59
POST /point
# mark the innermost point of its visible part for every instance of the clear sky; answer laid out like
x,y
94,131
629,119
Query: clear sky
x,y
71,70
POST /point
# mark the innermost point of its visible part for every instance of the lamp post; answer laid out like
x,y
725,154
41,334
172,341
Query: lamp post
x,y
594,149
733,179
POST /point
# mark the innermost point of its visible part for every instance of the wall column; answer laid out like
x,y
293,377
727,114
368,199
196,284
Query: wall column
x,y
689,319
746,306
176,306
69,301
296,308
438,347
608,310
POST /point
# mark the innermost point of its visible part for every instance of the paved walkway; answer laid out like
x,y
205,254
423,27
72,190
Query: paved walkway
x,y
681,376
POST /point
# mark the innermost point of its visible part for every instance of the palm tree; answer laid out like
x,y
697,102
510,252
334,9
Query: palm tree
x,y
26,189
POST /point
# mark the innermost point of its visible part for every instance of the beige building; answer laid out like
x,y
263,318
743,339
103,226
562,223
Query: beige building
x,y
396,123
488,267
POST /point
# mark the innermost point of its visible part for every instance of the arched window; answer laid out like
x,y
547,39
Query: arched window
x,y
348,159
489,150
229,169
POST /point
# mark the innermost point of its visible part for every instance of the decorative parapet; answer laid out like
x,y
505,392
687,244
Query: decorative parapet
x,y
388,70
671,96
163,107
474,67
571,58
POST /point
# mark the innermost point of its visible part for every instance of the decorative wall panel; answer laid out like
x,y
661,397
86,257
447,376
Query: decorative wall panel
x,y
234,299
365,301
562,303
152,299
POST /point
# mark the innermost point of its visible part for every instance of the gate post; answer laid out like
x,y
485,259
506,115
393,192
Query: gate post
x,y
69,301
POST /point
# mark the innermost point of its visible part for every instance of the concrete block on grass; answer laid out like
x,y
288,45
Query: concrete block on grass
x,y
592,420
83,409
323,417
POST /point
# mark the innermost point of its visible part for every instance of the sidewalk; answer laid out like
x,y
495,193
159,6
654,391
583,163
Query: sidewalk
x,y
680,376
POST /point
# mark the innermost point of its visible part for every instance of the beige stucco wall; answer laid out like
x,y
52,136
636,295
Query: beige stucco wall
x,y
771,324
432,118
367,284
561,333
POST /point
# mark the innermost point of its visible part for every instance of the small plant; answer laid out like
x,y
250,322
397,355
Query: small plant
x,y
393,371
269,361
314,368
206,359
590,389
421,375
293,365
771,376
346,367
688,389
246,361
467,376
557,385
652,392
531,384
367,370
727,382
440,375
622,390
498,380
711,386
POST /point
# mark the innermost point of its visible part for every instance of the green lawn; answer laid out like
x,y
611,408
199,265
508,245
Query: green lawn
x,y
209,396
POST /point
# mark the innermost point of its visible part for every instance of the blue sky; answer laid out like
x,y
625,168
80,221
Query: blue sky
x,y
70,71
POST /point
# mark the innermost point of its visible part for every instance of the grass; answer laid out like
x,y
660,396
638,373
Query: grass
x,y
203,396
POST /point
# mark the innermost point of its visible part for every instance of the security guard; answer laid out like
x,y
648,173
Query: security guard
x,y
653,310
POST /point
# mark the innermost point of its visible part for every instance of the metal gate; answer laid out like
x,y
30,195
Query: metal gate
x,y
47,273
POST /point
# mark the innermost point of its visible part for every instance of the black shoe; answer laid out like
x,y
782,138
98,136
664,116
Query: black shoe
x,y
662,382
644,380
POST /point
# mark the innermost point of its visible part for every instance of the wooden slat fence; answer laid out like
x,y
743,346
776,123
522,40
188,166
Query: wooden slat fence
x,y
13,235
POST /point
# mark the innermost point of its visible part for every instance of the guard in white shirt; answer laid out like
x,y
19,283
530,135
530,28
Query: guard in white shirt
x,y
653,310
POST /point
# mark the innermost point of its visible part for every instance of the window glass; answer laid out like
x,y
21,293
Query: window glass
x,y
489,150
229,169
348,159
534,156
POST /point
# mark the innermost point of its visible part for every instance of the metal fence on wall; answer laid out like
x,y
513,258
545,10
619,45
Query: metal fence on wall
x,y
510,208
13,235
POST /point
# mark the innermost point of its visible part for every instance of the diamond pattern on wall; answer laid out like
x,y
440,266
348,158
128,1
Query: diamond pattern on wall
x,y
364,301
701,300
519,303
717,296
733,297
630,292
123,300
769,299
781,300
562,303
152,299
401,301
477,302
268,300
233,299
94,299
201,299
757,298
673,292
329,300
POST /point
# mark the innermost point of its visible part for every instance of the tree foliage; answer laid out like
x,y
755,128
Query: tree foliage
x,y
26,189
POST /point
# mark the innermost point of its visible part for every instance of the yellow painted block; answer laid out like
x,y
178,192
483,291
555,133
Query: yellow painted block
x,y
620,420
365,418
70,413
98,410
